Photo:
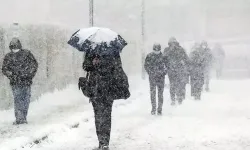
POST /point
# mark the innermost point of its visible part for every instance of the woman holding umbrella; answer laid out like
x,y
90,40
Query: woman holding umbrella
x,y
106,78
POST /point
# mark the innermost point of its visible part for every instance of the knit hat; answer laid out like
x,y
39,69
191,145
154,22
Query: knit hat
x,y
172,40
157,47
15,44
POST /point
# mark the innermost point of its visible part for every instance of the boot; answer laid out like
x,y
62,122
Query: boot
x,y
197,96
159,113
16,122
180,102
105,148
180,99
20,122
173,103
153,112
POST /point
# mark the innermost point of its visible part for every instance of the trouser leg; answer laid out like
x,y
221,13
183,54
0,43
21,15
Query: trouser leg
x,y
103,114
21,102
153,95
160,97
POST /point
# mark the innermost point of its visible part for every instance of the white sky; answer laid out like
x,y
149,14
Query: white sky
x,y
164,18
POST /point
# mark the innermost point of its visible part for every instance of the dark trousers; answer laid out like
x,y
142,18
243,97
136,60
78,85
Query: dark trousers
x,y
196,87
207,80
156,83
177,88
102,110
21,102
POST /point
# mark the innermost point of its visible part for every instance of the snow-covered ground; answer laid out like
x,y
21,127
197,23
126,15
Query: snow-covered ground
x,y
64,121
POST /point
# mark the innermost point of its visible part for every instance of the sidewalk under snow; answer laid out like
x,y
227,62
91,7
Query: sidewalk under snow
x,y
64,121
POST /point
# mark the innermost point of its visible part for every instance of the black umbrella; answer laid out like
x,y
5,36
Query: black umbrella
x,y
100,40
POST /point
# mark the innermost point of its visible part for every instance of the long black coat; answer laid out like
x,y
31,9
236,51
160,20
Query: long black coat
x,y
208,59
20,67
177,62
197,67
107,78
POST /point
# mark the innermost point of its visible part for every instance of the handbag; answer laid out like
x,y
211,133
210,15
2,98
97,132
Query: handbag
x,y
85,86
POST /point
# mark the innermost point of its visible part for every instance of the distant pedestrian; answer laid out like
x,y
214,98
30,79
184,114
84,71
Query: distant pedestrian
x,y
219,56
155,67
208,56
176,61
197,69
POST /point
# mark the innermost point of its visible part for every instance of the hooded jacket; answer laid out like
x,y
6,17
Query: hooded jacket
x,y
20,67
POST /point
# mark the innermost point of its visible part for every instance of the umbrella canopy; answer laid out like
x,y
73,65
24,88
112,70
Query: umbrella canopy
x,y
103,39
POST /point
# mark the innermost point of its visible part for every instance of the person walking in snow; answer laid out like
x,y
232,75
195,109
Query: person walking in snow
x,y
219,56
176,61
197,70
109,82
155,67
208,58
20,66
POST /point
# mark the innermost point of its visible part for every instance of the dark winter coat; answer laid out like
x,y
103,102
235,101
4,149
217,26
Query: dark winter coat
x,y
197,67
154,66
208,59
20,67
107,79
176,61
